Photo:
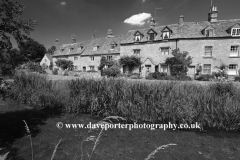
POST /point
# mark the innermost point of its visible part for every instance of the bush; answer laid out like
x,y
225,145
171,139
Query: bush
x,y
149,76
205,77
111,72
92,70
237,78
65,73
55,71
158,75
135,76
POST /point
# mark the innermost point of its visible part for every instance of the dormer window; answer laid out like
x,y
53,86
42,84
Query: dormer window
x,y
235,32
166,35
95,47
209,31
166,32
71,49
62,50
138,36
151,34
80,47
113,45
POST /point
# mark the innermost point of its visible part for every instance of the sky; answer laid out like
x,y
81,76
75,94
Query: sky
x,y
60,19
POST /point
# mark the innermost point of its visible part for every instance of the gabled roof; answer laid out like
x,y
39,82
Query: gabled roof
x,y
151,31
76,49
104,45
138,33
49,57
209,27
166,29
186,30
236,26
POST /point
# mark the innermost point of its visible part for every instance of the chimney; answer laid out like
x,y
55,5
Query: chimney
x,y
212,16
93,35
152,23
109,33
181,20
57,44
74,40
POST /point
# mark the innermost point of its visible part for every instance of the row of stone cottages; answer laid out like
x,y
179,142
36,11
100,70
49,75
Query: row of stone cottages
x,y
210,43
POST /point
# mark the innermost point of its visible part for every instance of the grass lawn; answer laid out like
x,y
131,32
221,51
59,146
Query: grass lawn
x,y
114,144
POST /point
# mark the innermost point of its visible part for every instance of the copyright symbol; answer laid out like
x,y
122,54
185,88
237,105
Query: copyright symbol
x,y
59,125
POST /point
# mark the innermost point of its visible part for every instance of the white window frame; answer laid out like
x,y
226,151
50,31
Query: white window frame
x,y
234,51
209,33
75,58
136,52
95,48
92,58
208,51
164,68
166,33
207,68
137,38
113,46
232,69
109,58
92,67
235,32
165,50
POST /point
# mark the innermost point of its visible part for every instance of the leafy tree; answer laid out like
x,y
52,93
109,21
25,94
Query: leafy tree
x,y
109,63
32,50
179,63
64,64
112,71
130,61
11,25
51,50
51,66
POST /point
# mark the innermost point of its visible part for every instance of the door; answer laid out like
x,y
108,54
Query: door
x,y
148,69
191,71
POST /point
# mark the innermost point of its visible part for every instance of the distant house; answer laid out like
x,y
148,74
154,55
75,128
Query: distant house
x,y
47,59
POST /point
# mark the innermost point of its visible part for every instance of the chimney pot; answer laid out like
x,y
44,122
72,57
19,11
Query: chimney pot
x,y
109,33
181,20
152,23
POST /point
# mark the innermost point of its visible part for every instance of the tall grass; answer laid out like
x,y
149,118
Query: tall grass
x,y
214,105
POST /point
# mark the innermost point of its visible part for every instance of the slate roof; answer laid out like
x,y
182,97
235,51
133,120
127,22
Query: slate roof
x,y
49,57
104,45
75,49
186,30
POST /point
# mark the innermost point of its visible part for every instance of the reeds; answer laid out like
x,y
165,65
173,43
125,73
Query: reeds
x,y
213,105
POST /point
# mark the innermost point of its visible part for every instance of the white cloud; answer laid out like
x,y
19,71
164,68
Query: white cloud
x,y
138,19
143,1
63,3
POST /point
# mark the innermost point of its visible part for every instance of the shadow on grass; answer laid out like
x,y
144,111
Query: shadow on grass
x,y
12,126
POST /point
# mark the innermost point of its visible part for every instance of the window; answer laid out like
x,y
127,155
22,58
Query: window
x,y
109,58
164,68
84,69
92,58
75,58
151,36
166,35
136,52
207,69
208,51
75,68
137,38
232,69
95,48
209,33
113,46
165,51
62,50
91,67
236,32
234,51
45,60
71,49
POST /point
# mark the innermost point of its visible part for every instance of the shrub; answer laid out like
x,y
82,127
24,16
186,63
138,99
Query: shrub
x,y
237,78
205,77
51,66
135,76
112,71
64,64
55,71
149,76
158,75
65,73
92,70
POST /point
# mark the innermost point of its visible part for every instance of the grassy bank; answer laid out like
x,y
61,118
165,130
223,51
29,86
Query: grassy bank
x,y
214,105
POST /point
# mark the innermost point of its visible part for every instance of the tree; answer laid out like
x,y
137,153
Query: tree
x,y
179,63
64,64
51,50
11,25
130,62
32,50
